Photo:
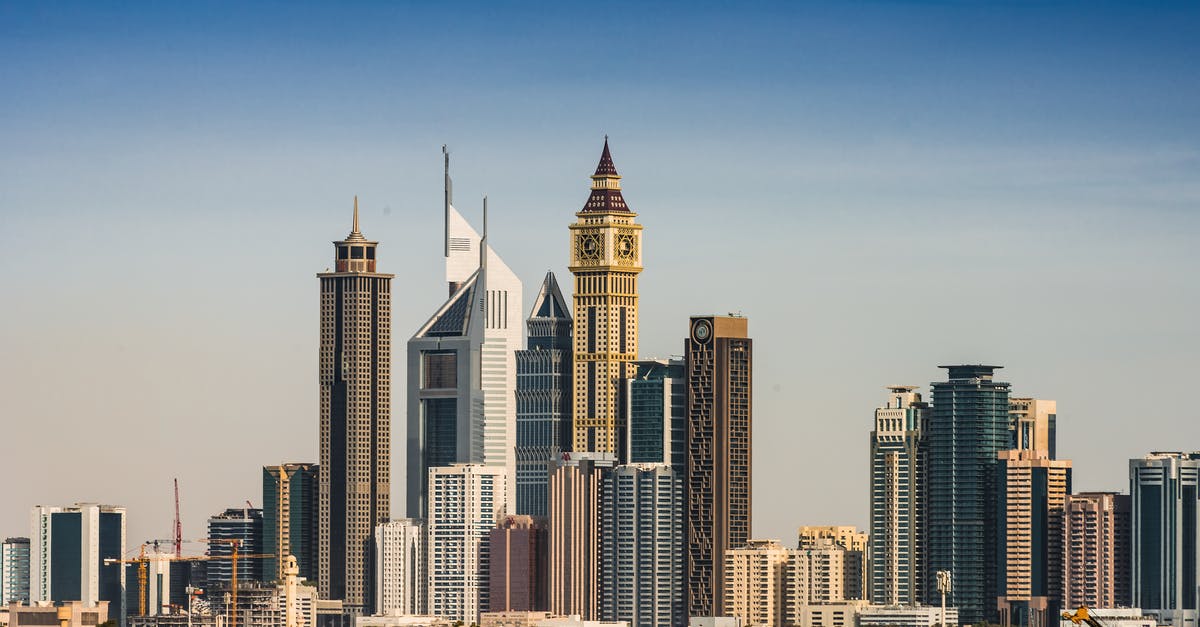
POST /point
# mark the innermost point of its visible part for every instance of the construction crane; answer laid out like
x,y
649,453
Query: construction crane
x,y
178,525
141,561
1081,616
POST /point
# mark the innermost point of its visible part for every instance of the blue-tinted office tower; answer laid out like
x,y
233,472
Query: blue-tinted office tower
x,y
968,427
68,549
1165,490
655,410
244,525
543,397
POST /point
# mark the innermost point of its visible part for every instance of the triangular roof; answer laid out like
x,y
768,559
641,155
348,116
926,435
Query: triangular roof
x,y
606,187
550,302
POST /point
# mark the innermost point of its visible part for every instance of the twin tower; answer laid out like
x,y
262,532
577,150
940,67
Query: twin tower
x,y
462,370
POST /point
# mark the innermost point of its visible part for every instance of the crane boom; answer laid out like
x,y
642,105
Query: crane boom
x,y
178,524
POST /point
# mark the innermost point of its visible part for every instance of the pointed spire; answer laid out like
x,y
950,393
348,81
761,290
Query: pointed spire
x,y
355,235
606,166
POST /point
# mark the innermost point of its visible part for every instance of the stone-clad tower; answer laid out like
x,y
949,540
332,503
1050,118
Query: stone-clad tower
x,y
355,380
606,257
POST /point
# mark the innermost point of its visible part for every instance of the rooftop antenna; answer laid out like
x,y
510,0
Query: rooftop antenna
x,y
446,192
483,242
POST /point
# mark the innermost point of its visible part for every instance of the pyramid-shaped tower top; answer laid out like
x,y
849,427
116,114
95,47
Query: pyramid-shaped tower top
x,y
606,187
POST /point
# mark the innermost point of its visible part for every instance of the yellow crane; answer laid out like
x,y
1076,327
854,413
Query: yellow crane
x,y
1081,616
234,556
141,561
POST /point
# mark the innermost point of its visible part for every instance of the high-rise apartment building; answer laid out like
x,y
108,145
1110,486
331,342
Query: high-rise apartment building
x,y
574,554
290,519
1032,491
755,583
14,571
1096,551
518,565
465,503
401,580
1033,425
641,546
719,357
1165,492
354,482
767,584
606,258
854,544
245,525
543,397
462,365
655,409
967,429
68,548
897,496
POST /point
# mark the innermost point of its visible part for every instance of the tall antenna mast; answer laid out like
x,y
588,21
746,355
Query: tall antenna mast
x,y
447,199
483,242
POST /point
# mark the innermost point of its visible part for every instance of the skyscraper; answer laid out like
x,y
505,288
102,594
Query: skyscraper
x,y
465,503
68,546
641,546
355,396
290,519
1096,550
606,258
575,533
543,397
1033,424
518,565
655,412
14,571
1165,490
462,365
968,427
245,525
897,491
1032,491
401,580
719,357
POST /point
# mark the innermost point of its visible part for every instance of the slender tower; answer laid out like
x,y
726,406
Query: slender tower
x,y
606,258
355,382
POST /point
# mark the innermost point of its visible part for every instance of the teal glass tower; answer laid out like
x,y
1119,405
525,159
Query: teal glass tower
x,y
968,427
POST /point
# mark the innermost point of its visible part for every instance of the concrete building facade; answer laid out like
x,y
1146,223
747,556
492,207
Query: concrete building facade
x,y
606,258
574,556
401,578
518,565
14,571
894,574
1096,550
641,546
354,380
854,546
719,357
465,503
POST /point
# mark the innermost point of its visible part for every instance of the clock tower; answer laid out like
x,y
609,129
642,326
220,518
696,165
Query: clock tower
x,y
606,258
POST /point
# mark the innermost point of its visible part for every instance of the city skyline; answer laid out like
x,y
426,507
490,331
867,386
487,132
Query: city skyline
x,y
1099,271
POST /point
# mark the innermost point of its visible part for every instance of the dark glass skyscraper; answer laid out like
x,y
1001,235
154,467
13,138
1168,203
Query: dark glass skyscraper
x,y
1165,490
543,397
656,414
244,525
290,519
968,427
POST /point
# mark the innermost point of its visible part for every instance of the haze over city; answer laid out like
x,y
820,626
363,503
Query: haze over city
x,y
880,189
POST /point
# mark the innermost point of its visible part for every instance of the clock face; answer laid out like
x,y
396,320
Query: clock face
x,y
626,247
589,246
701,331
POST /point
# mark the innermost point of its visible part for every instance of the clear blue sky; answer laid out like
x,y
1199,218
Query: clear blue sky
x,y
881,188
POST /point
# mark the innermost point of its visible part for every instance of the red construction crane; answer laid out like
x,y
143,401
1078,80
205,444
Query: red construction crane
x,y
178,524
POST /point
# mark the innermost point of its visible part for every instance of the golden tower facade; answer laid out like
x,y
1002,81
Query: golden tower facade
x,y
606,258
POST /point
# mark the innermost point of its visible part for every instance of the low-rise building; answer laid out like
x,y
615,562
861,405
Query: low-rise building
x,y
905,616
64,614
574,620
395,619
512,619
844,614
714,621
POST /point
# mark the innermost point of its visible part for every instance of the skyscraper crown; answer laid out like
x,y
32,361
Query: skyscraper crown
x,y
606,187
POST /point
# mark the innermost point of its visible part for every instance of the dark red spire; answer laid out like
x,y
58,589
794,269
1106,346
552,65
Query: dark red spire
x,y
606,163
606,186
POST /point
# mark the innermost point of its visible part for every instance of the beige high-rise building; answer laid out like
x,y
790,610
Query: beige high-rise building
x,y
355,404
1033,423
1030,531
854,542
574,560
768,585
1096,551
606,258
